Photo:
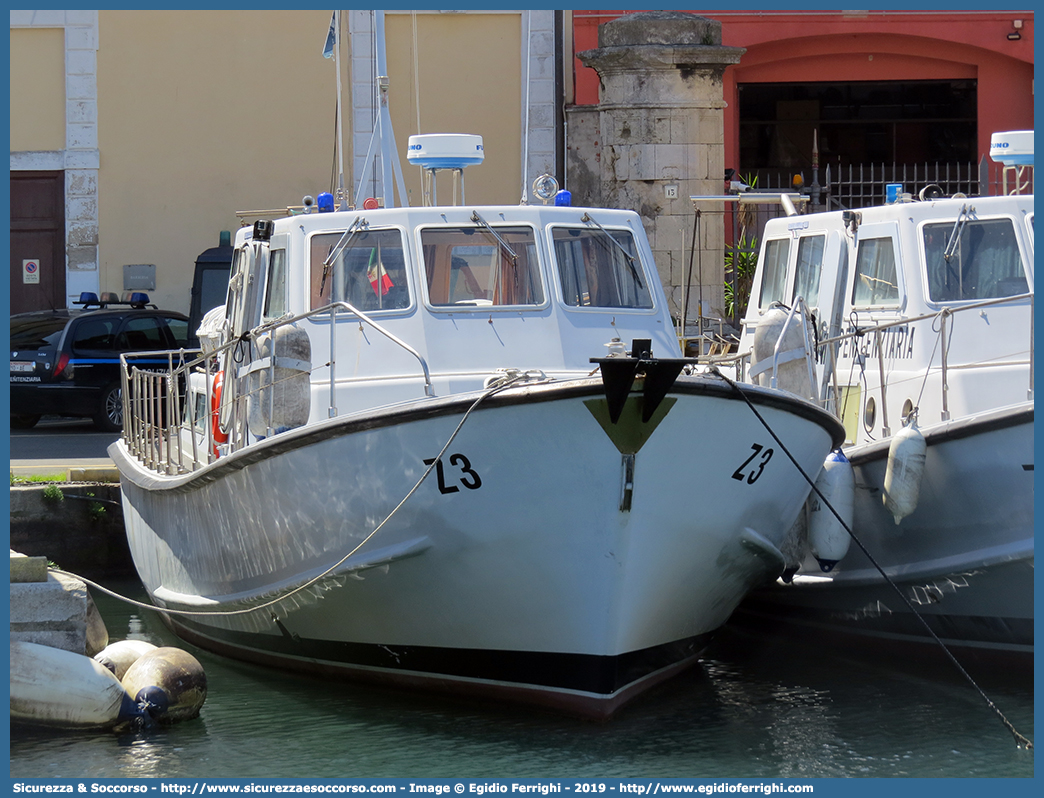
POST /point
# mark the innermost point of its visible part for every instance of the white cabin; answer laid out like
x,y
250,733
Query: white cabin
x,y
401,303
925,304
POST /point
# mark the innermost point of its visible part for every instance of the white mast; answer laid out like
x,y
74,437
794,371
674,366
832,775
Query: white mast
x,y
341,194
383,134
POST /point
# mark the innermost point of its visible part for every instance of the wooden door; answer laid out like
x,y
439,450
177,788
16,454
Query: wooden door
x,y
37,241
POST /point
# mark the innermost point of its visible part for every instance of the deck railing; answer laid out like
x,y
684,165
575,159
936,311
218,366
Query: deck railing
x,y
828,390
161,417
830,345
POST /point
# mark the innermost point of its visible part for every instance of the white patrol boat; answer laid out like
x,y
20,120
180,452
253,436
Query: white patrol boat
x,y
921,314
457,448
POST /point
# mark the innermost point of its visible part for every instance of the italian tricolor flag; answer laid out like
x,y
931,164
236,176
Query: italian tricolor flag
x,y
379,278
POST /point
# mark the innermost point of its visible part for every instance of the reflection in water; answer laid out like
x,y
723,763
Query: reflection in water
x,y
755,708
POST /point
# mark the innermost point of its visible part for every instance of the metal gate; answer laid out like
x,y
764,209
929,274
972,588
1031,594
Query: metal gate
x,y
853,186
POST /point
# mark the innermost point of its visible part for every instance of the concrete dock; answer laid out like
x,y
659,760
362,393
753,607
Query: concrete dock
x,y
53,609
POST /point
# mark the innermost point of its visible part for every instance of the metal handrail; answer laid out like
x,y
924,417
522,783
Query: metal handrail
x,y
943,315
332,309
152,409
799,308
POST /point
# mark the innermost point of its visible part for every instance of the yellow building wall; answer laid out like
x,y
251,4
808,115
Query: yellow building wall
x,y
37,76
464,71
201,114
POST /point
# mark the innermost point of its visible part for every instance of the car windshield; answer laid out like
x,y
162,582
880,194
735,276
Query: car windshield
x,y
36,332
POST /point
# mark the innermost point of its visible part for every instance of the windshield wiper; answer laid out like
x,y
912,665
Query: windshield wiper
x,y
630,258
479,220
338,248
955,235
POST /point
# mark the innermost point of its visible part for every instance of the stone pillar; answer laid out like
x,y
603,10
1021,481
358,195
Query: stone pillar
x,y
661,140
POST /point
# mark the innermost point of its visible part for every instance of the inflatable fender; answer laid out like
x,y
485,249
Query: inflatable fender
x,y
54,687
168,684
902,482
827,536
119,656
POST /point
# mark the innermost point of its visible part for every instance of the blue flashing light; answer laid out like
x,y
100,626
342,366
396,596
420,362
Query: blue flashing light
x,y
325,202
563,198
139,298
88,297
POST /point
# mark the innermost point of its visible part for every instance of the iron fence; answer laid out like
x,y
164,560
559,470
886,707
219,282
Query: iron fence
x,y
853,186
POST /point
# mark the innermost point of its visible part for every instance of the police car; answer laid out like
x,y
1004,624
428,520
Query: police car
x,y
67,362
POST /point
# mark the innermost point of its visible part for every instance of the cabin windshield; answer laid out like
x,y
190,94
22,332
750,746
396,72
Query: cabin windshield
x,y
977,260
482,266
368,269
600,268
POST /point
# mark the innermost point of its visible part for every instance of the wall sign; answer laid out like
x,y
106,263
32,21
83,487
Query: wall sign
x,y
31,271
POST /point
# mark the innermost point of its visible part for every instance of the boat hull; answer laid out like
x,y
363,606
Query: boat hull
x,y
551,557
963,559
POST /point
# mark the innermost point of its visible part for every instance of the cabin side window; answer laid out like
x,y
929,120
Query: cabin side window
x,y
976,259
876,283
365,268
241,307
809,267
600,269
481,266
774,271
275,291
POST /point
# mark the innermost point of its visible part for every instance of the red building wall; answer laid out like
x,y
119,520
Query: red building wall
x,y
810,46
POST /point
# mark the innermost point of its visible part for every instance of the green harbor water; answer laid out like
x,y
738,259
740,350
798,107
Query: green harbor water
x,y
758,706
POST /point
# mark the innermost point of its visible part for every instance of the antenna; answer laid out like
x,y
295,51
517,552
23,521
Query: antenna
x,y
450,151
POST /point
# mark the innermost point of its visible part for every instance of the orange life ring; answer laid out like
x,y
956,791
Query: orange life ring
x,y
215,406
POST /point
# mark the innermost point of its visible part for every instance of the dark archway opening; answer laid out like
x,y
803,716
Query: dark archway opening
x,y
861,122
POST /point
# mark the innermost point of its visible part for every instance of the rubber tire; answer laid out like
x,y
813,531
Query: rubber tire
x,y
109,417
23,421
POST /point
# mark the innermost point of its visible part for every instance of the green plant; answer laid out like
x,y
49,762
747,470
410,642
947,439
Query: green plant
x,y
21,479
741,260
95,510
52,493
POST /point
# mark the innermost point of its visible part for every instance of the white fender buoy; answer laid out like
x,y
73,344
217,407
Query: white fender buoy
x,y
119,656
792,367
902,482
168,684
54,687
827,537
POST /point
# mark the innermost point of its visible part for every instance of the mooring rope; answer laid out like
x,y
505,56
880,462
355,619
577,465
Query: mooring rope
x,y
1019,738
507,381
